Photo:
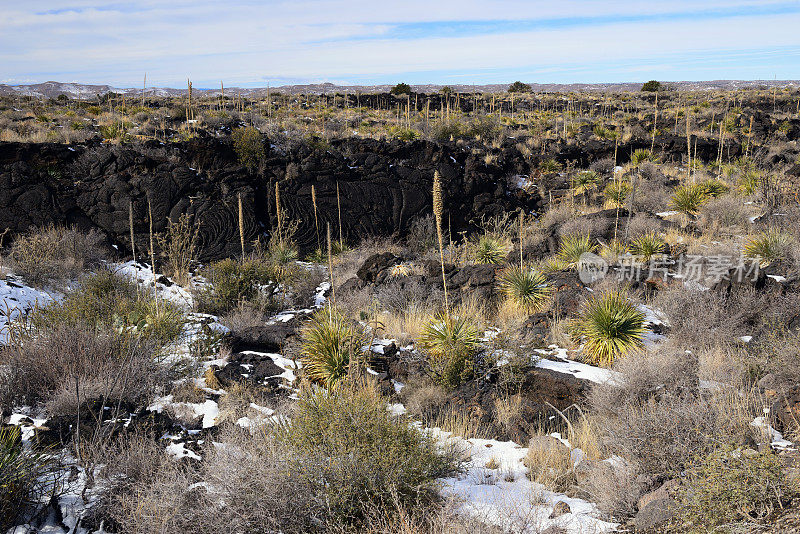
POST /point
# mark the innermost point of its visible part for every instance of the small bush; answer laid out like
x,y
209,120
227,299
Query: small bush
x,y
179,245
100,364
609,326
450,341
356,457
730,486
27,479
331,343
249,147
55,254
232,282
526,289
713,188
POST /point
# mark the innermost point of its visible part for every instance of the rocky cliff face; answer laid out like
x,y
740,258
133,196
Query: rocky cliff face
x,y
383,187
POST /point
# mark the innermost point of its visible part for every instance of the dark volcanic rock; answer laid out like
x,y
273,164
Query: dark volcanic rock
x,y
383,186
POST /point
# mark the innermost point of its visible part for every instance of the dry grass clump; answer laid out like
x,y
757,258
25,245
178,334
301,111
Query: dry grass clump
x,y
68,366
55,254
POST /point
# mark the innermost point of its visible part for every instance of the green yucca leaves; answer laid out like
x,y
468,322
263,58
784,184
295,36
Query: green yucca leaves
x,y
616,193
329,343
612,250
768,247
450,341
609,326
491,249
26,477
688,198
640,156
713,187
648,245
573,246
525,288
584,182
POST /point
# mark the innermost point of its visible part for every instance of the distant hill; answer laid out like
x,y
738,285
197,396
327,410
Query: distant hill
x,y
87,91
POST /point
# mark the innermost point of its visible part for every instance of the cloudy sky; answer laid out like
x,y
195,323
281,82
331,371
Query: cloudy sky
x,y
255,42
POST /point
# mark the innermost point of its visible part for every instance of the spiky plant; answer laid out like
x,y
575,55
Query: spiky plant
x,y
609,326
616,193
648,245
584,183
450,341
640,156
573,246
688,199
713,187
768,247
330,343
612,250
26,477
525,288
549,166
551,265
491,249
749,182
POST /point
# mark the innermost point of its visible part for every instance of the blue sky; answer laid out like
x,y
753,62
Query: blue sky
x,y
252,42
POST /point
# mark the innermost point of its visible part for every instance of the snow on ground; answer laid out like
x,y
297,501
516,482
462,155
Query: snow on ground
x,y
495,489
17,299
143,275
776,438
562,364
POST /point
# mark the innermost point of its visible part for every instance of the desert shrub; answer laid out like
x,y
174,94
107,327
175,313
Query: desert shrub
x,y
422,234
612,250
491,248
729,486
27,479
243,316
249,147
525,288
178,245
330,345
609,325
232,282
446,130
55,253
450,341
355,456
61,363
550,464
724,212
648,245
423,398
768,247
105,299
573,246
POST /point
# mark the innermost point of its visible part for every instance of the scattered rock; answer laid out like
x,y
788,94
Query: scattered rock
x,y
560,509
655,515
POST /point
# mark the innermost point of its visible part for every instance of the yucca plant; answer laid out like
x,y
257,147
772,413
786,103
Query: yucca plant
x,y
688,199
640,156
584,183
524,287
768,247
612,250
713,187
450,341
573,246
551,265
749,182
616,193
27,478
648,245
609,326
491,249
330,343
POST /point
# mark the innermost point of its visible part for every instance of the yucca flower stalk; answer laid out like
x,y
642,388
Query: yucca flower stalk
x,y
438,212
609,325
